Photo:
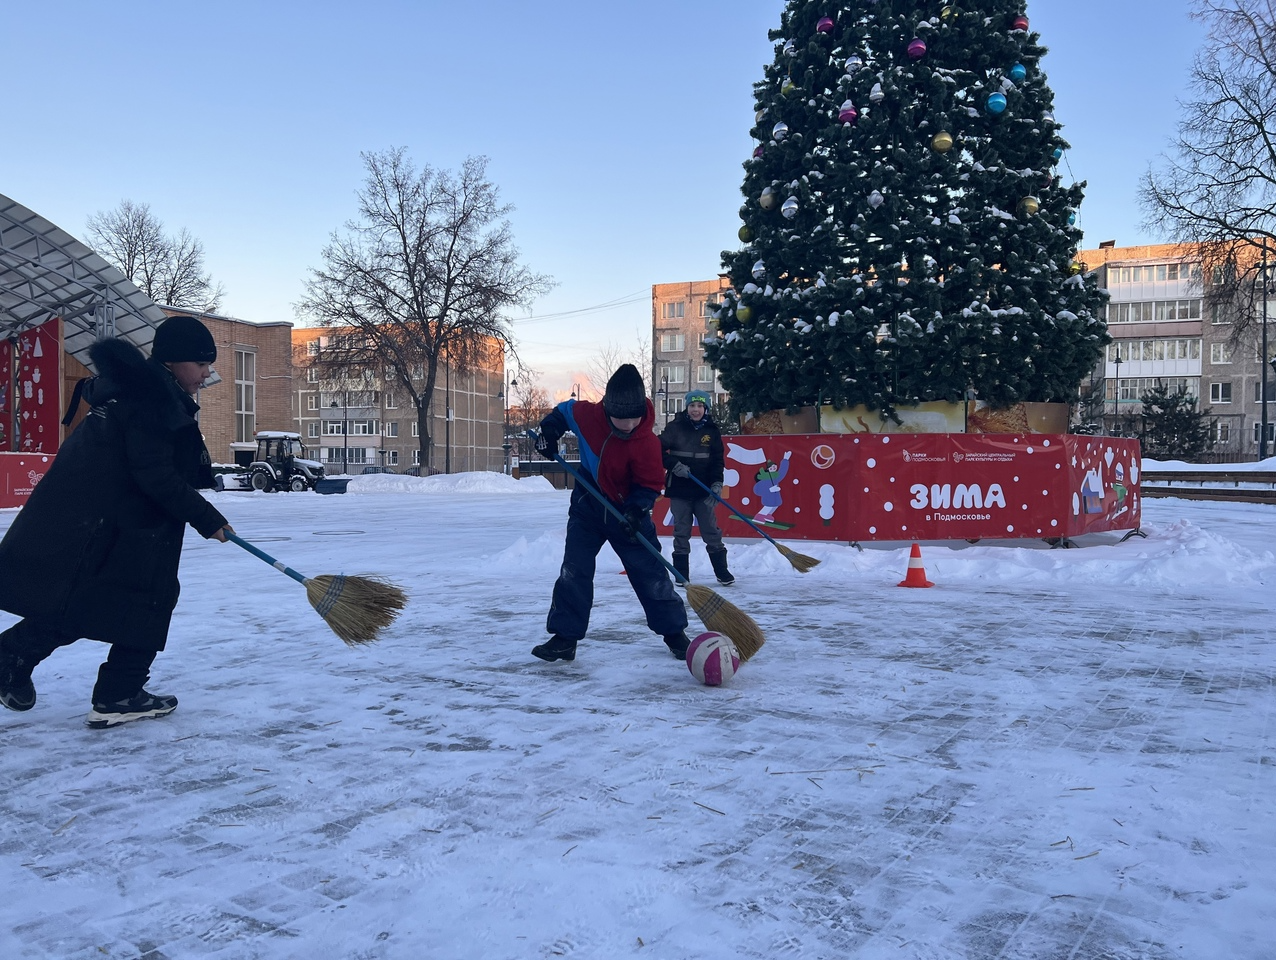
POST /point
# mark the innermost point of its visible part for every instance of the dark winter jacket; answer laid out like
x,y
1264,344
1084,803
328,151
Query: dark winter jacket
x,y
698,444
627,469
94,551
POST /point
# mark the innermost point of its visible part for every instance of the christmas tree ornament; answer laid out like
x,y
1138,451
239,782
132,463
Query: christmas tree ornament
x,y
853,64
790,48
757,117
876,94
1028,206
1074,268
781,130
758,151
941,142
948,14
996,103
847,113
825,25
1057,153
759,270
1020,23
875,199
789,208
767,200
745,234
1018,72
917,48
788,86
1072,219
744,314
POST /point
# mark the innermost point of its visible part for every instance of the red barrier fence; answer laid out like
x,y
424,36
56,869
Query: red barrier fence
x,y
19,473
933,486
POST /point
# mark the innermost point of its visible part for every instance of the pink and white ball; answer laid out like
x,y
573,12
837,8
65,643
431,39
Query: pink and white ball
x,y
712,659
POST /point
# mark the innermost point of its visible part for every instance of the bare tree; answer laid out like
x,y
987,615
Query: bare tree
x,y
531,405
168,269
604,363
424,275
1219,191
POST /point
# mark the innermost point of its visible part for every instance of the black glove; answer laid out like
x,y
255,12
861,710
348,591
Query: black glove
x,y
680,469
634,518
547,443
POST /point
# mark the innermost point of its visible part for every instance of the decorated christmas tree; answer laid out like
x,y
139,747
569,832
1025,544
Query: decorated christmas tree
x,y
906,235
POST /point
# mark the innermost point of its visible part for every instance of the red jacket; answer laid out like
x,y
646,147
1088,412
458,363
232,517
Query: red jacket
x,y
629,470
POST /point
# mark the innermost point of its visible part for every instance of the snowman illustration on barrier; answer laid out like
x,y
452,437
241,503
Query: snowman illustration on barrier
x,y
767,481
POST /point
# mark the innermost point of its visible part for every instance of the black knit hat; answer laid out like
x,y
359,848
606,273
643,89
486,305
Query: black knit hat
x,y
183,338
626,395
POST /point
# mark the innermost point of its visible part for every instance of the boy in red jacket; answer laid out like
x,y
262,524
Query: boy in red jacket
x,y
621,458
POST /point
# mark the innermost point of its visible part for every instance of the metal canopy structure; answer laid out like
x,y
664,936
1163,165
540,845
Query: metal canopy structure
x,y
45,273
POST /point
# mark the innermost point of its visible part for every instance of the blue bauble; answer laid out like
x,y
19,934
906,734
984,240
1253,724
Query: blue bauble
x,y
1072,219
997,103
1057,153
1018,72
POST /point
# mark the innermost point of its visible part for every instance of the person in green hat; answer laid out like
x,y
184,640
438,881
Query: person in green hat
x,y
692,448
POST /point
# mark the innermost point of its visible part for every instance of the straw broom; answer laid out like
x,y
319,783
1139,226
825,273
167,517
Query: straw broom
x,y
356,608
714,612
799,561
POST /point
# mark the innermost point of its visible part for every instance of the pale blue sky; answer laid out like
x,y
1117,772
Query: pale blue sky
x,y
616,130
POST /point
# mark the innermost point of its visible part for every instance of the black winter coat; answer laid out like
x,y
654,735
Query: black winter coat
x,y
698,444
95,549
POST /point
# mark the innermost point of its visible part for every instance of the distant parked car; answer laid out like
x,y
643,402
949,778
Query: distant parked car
x,y
417,472
376,470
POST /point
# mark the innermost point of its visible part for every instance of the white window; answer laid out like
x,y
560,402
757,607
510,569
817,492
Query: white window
x,y
708,307
1219,315
363,428
1221,431
672,343
416,457
392,458
416,428
1271,430
704,373
312,429
312,348
678,375
672,311
359,455
391,428
1221,392
390,402
391,373
333,428
312,401
1220,353
312,375
245,395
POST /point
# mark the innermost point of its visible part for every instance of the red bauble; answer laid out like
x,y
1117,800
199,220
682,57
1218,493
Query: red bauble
x,y
1020,23
825,25
917,49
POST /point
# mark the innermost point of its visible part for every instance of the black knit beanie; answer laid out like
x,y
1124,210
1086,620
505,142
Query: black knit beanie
x,y
626,395
183,338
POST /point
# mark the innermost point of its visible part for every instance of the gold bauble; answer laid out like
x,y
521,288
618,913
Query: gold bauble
x,y
1074,268
1028,206
942,142
948,14
744,314
745,234
788,86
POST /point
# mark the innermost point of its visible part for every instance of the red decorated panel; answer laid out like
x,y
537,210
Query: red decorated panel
x,y
1104,484
37,389
6,396
19,473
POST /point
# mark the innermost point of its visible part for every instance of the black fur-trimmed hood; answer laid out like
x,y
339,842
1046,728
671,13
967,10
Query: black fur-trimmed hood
x,y
123,372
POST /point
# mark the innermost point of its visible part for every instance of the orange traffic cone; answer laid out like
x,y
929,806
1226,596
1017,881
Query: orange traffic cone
x,y
916,576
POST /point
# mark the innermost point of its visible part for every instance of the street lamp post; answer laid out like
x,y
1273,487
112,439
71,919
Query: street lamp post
x,y
1116,388
447,414
664,398
345,430
507,446
1262,396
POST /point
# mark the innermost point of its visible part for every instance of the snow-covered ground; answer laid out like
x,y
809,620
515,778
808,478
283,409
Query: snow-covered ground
x,y
1050,754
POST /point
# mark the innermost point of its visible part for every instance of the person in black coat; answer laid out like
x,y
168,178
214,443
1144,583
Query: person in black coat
x,y
692,447
94,551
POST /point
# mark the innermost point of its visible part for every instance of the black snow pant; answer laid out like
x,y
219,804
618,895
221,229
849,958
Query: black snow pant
x,y
702,511
589,526
122,675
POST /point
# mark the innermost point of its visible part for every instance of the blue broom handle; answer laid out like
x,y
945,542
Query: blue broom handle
x,y
731,508
618,515
261,554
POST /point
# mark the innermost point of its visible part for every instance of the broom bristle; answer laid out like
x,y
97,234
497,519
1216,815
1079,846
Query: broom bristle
x,y
356,608
799,561
727,619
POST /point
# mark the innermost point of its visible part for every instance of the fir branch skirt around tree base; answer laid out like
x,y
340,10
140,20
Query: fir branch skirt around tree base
x,y
907,236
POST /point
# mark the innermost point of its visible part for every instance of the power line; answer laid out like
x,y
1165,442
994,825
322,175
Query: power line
x,y
629,298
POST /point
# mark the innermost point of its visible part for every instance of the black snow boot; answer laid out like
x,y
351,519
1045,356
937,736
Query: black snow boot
x,y
682,563
719,561
677,644
141,706
17,692
556,648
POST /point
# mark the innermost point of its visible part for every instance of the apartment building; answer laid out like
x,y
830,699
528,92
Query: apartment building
x,y
1164,331
365,419
681,318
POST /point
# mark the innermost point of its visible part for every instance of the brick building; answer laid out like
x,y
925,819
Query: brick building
x,y
681,318
365,419
1164,331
